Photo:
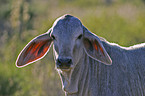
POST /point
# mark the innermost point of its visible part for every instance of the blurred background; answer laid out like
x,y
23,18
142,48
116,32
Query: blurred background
x,y
119,21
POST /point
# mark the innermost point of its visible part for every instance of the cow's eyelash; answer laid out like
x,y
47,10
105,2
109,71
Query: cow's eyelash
x,y
80,36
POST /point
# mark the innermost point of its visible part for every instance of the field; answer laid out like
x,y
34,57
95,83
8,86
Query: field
x,y
118,21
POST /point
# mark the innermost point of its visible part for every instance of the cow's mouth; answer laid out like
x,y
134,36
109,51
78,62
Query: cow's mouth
x,y
65,67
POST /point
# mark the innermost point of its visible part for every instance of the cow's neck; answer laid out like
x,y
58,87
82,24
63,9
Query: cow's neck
x,y
77,80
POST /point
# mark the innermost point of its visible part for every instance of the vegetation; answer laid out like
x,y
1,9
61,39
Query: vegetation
x,y
119,21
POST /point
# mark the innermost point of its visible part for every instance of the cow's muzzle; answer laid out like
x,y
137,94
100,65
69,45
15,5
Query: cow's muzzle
x,y
64,63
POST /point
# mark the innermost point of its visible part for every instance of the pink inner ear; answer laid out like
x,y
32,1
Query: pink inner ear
x,y
36,50
98,47
101,50
95,45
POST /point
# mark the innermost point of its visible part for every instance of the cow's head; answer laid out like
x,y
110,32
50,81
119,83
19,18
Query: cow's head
x,y
70,38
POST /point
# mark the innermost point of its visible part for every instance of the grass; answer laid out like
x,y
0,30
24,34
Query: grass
x,y
121,22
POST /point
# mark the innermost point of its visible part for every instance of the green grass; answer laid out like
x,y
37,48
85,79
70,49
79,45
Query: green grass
x,y
121,22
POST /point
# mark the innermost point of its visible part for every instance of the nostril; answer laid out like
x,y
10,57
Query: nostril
x,y
69,61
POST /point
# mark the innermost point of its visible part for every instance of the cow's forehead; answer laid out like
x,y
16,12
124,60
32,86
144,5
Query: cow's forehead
x,y
67,24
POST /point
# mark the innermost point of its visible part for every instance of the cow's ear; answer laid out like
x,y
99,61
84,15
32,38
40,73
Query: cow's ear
x,y
34,50
94,47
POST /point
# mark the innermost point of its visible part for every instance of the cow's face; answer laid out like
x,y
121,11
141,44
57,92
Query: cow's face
x,y
67,36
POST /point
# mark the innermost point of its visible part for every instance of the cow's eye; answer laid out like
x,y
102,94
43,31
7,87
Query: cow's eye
x,y
53,37
80,36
